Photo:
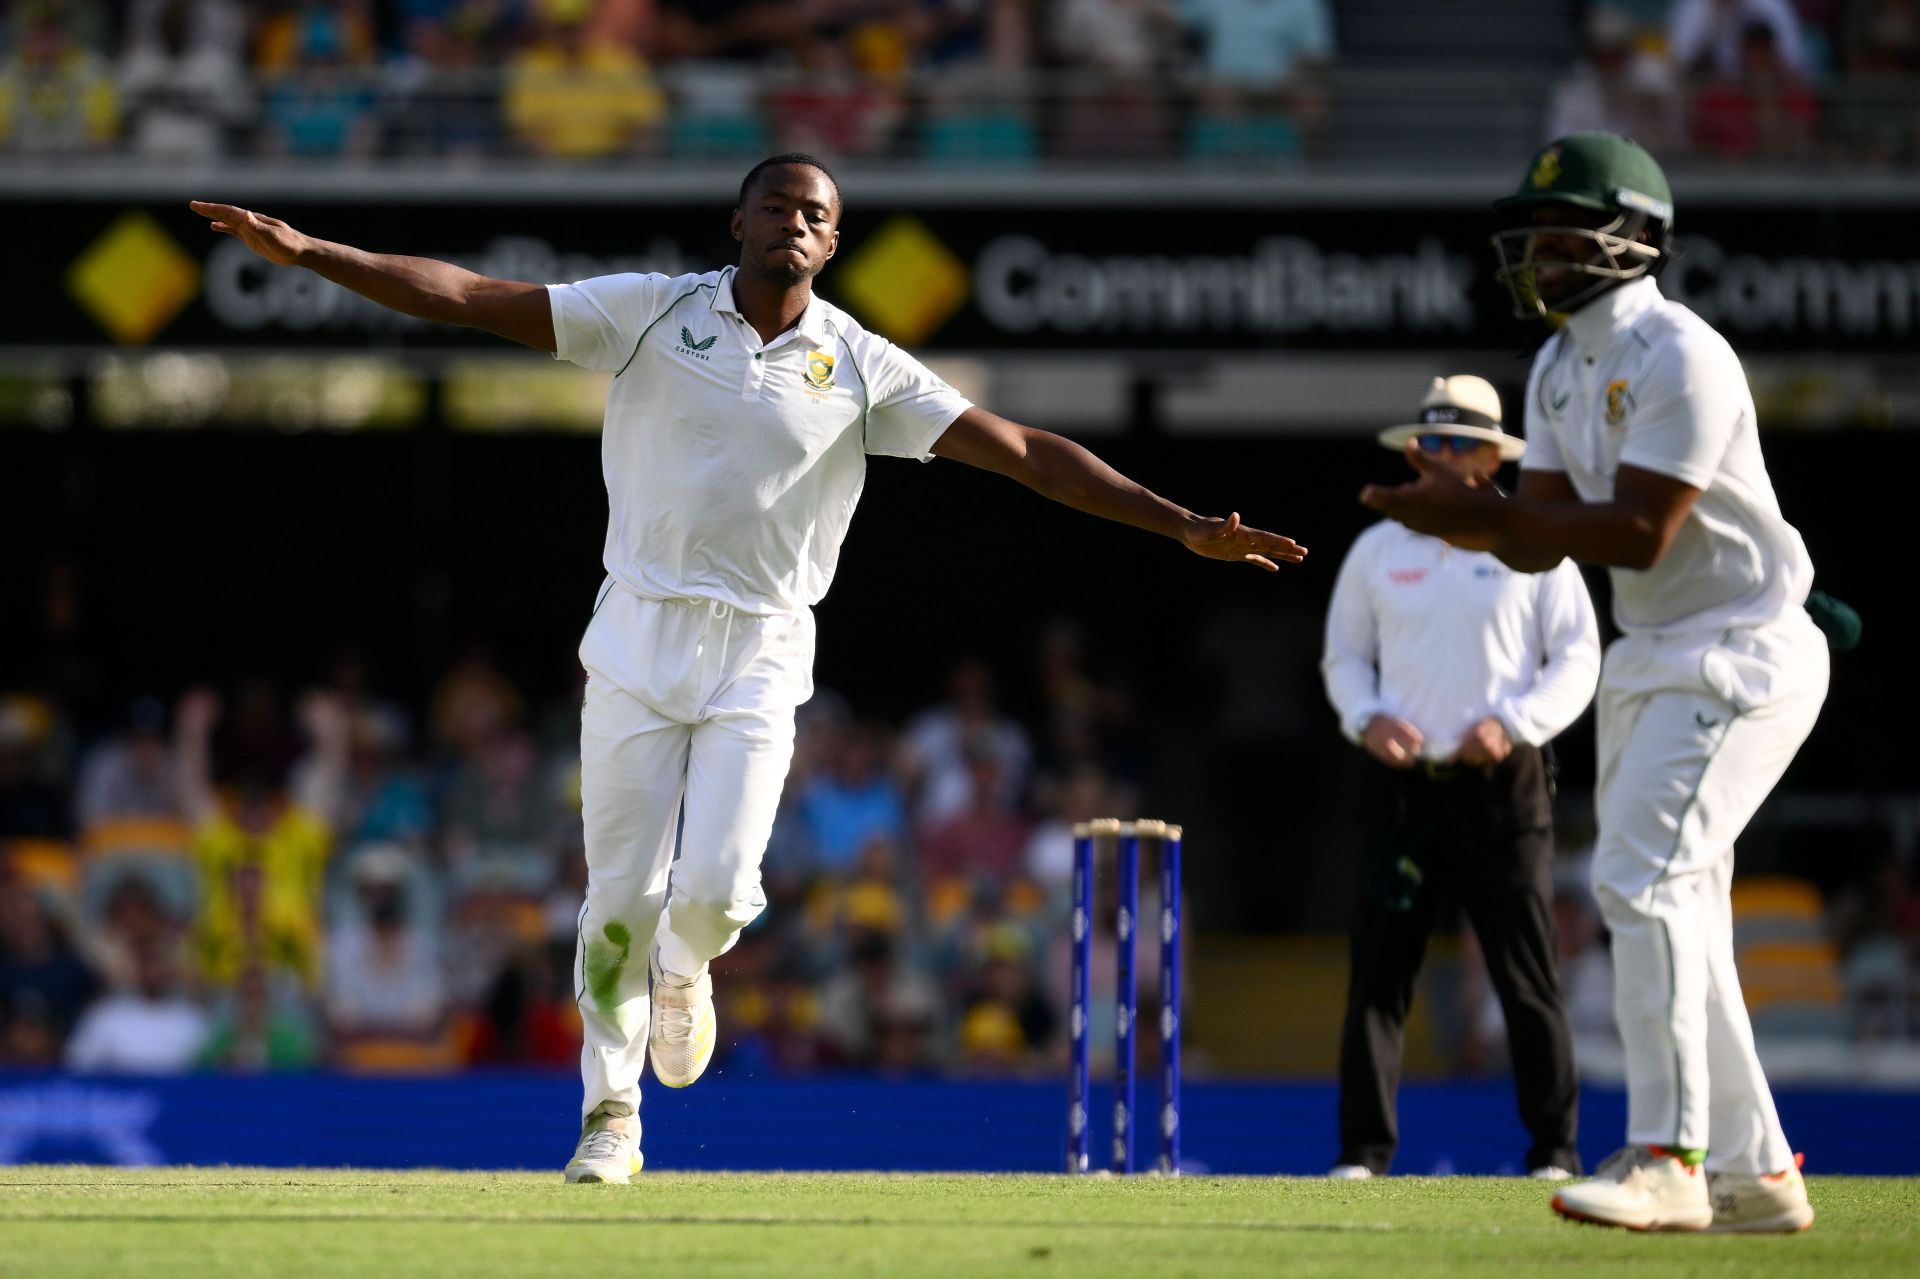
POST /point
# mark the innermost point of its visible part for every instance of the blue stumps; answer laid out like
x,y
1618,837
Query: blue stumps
x,y
1078,1128
1126,995
1126,837
1170,992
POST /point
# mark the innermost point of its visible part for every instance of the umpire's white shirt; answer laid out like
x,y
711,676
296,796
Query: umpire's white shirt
x,y
1444,638
733,466
1635,380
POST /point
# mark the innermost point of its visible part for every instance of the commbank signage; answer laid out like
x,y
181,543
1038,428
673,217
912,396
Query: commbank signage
x,y
1047,278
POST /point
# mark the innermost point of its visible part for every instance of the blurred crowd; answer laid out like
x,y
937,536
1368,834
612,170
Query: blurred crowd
x,y
959,80
1003,82
247,880
1750,80
244,879
1828,976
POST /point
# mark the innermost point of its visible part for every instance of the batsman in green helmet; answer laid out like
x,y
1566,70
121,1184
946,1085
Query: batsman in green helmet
x,y
1593,211
1643,455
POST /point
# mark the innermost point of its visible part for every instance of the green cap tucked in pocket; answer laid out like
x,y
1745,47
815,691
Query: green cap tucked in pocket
x,y
1836,618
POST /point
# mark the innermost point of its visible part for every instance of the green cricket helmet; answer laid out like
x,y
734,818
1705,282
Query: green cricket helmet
x,y
1620,186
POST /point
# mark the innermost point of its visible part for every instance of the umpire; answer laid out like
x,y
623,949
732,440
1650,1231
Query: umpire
x,y
1453,671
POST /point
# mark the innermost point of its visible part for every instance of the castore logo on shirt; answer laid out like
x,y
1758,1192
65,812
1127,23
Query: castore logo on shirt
x,y
696,349
1407,576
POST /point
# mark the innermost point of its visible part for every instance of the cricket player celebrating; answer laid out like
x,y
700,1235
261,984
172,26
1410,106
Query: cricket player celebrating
x,y
1643,455
734,450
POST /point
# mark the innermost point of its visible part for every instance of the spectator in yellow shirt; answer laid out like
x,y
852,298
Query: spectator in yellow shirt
x,y
573,96
261,848
56,96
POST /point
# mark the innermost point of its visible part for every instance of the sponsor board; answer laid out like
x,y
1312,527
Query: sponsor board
x,y
1040,278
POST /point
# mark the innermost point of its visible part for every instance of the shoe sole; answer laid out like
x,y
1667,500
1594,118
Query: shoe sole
x,y
1650,1227
1784,1223
693,1078
587,1177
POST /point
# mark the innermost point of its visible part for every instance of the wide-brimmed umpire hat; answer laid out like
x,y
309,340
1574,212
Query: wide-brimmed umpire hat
x,y
1460,405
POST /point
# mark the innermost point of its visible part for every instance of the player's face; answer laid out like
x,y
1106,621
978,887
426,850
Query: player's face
x,y
1559,250
1561,257
789,225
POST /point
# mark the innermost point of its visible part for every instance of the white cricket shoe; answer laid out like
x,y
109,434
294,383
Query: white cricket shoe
x,y
609,1148
1775,1203
1640,1188
1350,1172
680,1040
1550,1172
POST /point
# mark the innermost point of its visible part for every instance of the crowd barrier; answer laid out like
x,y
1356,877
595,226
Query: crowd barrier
x,y
838,1122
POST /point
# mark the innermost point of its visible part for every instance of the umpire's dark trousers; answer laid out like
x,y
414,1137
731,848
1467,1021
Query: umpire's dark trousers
x,y
1485,839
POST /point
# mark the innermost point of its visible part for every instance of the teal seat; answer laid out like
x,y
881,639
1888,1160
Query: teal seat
x,y
1264,137
990,137
173,876
716,136
1800,1020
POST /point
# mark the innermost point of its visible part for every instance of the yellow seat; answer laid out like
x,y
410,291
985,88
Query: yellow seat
x,y
1773,973
528,920
1776,895
947,899
45,863
1024,897
1774,909
147,835
379,1055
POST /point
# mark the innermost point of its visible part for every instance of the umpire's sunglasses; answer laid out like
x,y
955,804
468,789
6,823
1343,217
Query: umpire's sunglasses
x,y
1436,443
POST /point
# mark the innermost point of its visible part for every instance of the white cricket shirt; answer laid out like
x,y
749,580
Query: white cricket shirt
x,y
733,466
1632,379
1444,638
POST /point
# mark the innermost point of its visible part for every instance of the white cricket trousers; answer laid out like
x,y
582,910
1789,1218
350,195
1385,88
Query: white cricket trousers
x,y
1693,734
687,730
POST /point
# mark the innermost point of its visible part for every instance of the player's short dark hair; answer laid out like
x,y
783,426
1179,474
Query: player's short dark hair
x,y
789,157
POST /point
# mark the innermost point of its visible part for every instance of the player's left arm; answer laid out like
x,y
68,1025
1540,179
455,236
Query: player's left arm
x,y
1536,529
1685,407
1633,530
1056,467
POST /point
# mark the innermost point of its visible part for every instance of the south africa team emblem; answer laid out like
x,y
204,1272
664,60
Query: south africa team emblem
x,y
819,374
1618,402
1546,170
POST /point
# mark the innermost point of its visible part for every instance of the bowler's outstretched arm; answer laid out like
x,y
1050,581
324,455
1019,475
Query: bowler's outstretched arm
x,y
1056,467
420,287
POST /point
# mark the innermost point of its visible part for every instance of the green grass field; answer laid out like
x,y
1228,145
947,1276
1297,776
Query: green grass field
x,y
242,1221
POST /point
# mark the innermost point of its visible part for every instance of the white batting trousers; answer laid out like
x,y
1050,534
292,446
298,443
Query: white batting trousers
x,y
687,731
1693,735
